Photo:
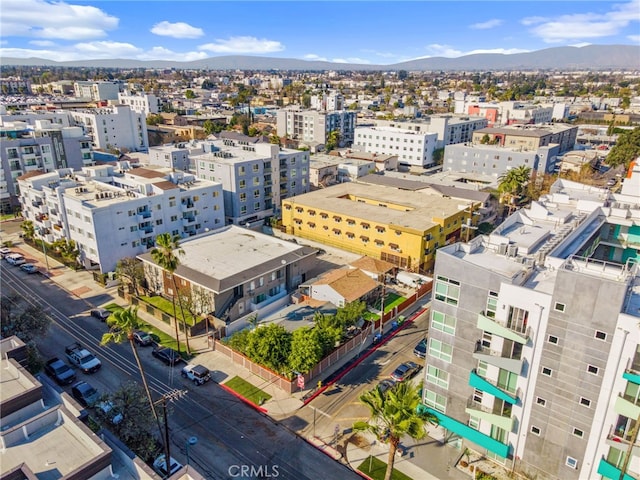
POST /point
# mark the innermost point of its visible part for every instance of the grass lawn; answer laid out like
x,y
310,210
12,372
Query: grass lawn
x,y
390,302
370,316
166,306
247,390
159,336
378,469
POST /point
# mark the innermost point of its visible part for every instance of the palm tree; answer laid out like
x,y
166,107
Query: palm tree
x,y
394,414
123,324
512,183
163,254
28,229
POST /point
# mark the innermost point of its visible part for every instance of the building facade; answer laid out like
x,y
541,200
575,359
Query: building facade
x,y
96,91
529,137
533,355
116,127
140,102
314,126
112,212
412,148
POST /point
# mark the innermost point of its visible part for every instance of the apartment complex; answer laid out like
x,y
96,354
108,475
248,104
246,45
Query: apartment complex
x,y
113,212
450,129
140,102
526,137
96,91
255,177
402,227
508,112
115,127
533,355
412,148
170,156
43,147
315,126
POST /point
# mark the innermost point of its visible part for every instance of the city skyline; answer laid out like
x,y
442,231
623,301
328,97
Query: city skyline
x,y
364,32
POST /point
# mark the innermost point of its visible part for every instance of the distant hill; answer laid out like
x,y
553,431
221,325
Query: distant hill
x,y
591,57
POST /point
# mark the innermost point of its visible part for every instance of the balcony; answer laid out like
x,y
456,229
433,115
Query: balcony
x,y
624,406
496,358
188,220
491,387
144,214
496,327
187,204
495,416
36,203
607,470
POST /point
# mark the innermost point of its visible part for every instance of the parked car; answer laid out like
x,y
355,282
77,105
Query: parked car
x,y
15,259
100,313
142,338
405,371
58,370
420,349
611,182
29,268
385,385
107,408
167,355
85,394
160,466
4,251
198,374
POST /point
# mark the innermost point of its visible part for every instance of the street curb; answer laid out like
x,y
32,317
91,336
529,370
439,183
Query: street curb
x,y
245,400
366,355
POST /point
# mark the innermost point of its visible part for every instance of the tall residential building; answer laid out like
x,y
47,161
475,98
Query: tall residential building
x,y
170,156
412,148
402,227
15,86
113,211
255,177
533,354
449,128
115,127
43,147
327,101
140,102
314,126
96,91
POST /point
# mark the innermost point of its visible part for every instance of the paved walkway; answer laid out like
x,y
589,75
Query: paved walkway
x,y
431,454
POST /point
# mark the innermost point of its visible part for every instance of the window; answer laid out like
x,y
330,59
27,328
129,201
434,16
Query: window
x,y
434,400
559,307
601,335
256,206
541,401
592,369
474,422
585,402
482,368
255,167
159,222
243,183
571,462
243,197
577,432
174,218
517,319
437,377
444,323
447,290
535,430
440,350
546,371
552,339
508,381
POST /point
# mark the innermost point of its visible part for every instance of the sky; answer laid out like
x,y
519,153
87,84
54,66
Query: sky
x,y
366,31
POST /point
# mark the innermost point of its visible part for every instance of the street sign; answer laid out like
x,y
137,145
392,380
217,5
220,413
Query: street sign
x,y
300,381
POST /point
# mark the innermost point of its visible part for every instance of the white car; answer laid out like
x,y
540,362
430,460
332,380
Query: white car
x,y
15,259
160,466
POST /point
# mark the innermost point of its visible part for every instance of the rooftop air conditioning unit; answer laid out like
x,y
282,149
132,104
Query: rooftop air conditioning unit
x,y
502,249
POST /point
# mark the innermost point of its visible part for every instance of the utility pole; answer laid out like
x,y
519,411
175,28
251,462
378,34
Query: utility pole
x,y
169,396
384,292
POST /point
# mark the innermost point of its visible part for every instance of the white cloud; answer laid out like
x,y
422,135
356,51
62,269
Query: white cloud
x,y
437,50
177,30
580,45
161,53
243,45
495,22
107,49
351,60
44,19
582,26
42,43
634,38
313,56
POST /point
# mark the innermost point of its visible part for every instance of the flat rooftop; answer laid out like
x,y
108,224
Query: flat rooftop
x,y
409,209
14,383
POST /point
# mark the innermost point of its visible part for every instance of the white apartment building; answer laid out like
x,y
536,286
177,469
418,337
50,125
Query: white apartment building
x,y
506,113
15,86
533,354
115,127
412,148
327,101
255,177
314,126
170,156
140,102
96,91
113,212
44,147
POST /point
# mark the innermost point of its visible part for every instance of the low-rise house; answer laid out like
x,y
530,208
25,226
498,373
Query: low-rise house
x,y
341,287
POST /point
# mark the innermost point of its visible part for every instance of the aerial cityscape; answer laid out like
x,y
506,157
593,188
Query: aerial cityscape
x,y
302,240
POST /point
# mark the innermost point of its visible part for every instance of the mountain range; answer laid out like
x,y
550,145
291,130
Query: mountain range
x,y
591,57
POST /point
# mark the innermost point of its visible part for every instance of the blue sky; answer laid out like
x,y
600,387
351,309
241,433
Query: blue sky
x,y
370,32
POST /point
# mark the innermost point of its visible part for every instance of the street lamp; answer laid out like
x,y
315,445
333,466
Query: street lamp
x,y
44,249
190,442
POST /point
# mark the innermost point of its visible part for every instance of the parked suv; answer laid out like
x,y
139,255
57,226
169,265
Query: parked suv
x,y
59,371
142,338
198,374
100,313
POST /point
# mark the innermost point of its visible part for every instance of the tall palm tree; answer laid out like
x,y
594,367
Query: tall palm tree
x,y
394,414
512,183
163,254
123,324
28,229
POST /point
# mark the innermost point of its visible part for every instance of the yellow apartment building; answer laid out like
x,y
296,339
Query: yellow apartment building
x,y
403,227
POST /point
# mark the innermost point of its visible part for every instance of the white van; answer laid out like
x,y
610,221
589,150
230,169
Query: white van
x,y
15,259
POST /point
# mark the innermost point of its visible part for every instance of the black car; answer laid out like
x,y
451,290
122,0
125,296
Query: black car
x,y
385,385
167,355
100,313
85,394
405,371
420,349
59,371
142,338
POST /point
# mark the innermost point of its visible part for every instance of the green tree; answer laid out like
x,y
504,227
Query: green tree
x,y
68,250
154,119
438,156
333,140
306,349
123,325
306,100
163,254
209,127
626,149
270,346
130,272
22,319
28,229
188,94
395,414
485,139
274,139
511,184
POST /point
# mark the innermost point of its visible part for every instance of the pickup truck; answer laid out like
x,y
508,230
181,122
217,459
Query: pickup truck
x,y
82,358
